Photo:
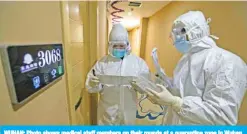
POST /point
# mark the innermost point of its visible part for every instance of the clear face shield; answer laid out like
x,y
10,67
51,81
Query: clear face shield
x,y
118,49
178,33
179,37
192,35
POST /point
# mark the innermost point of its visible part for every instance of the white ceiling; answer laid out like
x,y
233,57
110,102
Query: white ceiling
x,y
147,9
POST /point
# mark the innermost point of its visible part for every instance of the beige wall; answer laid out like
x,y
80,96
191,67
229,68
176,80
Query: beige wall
x,y
228,22
32,23
134,39
109,25
143,36
102,29
130,37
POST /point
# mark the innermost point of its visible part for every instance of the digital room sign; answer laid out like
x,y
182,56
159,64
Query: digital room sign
x,y
33,67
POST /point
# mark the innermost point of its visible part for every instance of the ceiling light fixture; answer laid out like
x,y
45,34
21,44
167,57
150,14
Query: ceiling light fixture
x,y
131,23
130,12
77,9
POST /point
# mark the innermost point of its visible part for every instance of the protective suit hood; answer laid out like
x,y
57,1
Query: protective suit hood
x,y
197,30
118,34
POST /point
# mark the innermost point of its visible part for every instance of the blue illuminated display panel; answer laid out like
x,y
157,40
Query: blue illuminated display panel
x,y
34,67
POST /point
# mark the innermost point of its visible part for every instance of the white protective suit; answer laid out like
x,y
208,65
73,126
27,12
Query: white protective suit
x,y
117,104
210,81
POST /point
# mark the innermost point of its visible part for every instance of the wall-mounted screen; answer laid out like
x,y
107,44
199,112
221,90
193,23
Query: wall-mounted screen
x,y
33,67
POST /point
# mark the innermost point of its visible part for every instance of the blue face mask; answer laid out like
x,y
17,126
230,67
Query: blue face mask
x,y
119,53
182,46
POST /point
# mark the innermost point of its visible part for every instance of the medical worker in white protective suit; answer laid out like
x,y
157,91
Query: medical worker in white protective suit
x,y
209,82
117,105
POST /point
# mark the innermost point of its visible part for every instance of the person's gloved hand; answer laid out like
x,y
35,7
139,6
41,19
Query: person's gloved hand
x,y
94,81
165,98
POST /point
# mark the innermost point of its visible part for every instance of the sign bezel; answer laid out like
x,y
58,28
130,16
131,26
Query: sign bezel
x,y
9,77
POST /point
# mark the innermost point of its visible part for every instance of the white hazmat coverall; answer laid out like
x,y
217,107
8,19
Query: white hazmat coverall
x,y
209,82
117,104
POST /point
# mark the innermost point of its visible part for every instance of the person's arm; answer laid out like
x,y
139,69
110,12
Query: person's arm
x,y
221,100
93,88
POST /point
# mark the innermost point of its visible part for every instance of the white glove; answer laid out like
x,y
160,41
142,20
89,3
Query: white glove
x,y
94,81
165,98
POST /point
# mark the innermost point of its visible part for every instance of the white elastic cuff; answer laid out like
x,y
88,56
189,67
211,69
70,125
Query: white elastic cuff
x,y
178,102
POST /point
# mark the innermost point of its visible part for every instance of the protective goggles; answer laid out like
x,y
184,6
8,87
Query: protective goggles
x,y
178,35
178,32
118,45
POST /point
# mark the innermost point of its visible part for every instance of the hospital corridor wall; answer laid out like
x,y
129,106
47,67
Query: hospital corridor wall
x,y
75,25
228,23
32,23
